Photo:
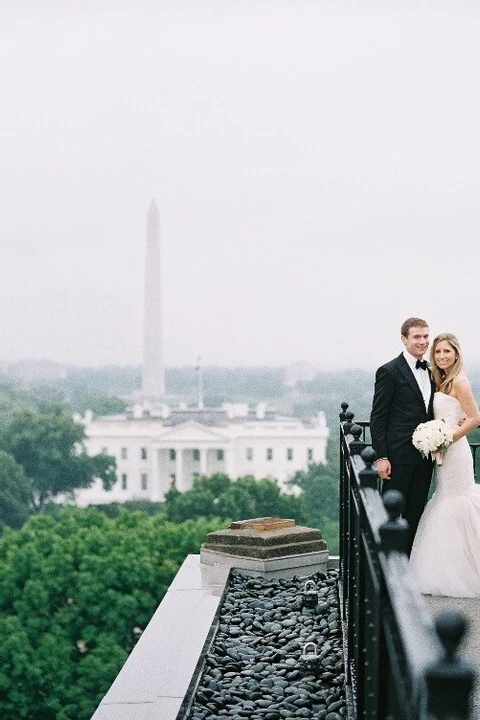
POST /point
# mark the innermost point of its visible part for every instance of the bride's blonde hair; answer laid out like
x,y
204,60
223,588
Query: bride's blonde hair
x,y
443,380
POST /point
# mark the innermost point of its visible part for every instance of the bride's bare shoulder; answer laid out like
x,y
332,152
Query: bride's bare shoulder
x,y
460,383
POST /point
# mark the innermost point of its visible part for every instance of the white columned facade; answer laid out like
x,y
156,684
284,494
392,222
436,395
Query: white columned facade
x,y
203,461
157,491
277,449
179,468
228,463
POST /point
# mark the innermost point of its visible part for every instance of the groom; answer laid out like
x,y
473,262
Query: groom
x,y
403,398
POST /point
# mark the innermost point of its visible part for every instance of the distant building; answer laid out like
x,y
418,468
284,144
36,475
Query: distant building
x,y
30,371
157,446
300,371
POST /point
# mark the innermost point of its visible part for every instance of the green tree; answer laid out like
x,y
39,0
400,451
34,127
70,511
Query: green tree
x,y
320,486
15,397
50,447
77,591
113,509
102,405
219,496
15,492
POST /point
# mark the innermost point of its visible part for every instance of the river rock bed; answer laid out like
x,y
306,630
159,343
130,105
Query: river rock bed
x,y
257,666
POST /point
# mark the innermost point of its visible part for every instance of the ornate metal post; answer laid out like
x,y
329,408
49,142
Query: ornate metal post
x,y
450,679
347,425
394,531
344,407
365,601
368,476
356,445
344,498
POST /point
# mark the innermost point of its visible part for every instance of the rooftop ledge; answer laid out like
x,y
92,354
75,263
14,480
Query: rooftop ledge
x,y
160,669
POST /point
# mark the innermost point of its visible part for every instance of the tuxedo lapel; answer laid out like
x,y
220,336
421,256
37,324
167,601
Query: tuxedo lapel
x,y
407,373
433,389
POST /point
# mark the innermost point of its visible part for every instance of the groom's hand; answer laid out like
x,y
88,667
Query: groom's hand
x,y
384,468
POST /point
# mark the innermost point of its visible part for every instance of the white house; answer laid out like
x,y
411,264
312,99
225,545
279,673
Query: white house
x,y
156,446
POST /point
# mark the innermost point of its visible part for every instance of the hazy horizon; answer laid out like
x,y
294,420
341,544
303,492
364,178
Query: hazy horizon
x,y
212,366
138,366
315,166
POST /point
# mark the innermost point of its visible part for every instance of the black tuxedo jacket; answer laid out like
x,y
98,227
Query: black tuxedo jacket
x,y
398,407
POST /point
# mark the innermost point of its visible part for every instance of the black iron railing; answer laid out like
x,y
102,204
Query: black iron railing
x,y
346,416
474,448
400,664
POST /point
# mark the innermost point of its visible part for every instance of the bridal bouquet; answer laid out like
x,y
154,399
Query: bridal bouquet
x,y
432,438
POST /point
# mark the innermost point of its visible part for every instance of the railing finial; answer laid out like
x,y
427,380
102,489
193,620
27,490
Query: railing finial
x,y
450,679
368,476
356,445
394,533
348,424
341,415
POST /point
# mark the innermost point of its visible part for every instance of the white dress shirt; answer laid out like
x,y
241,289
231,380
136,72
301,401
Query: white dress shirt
x,y
421,376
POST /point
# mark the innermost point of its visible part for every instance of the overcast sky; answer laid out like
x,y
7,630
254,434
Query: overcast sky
x,y
315,164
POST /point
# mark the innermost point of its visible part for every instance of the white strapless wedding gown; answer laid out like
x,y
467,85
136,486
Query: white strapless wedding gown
x,y
445,558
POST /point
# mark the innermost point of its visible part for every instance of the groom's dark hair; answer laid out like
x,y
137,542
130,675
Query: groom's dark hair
x,y
411,322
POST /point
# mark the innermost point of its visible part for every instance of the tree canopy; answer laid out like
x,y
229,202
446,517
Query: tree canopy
x,y
219,496
105,405
14,397
77,590
50,446
15,492
320,486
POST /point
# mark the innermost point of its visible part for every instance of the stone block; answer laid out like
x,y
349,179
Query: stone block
x,y
268,546
266,523
282,567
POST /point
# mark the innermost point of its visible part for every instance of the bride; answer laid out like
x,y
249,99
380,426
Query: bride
x,y
445,558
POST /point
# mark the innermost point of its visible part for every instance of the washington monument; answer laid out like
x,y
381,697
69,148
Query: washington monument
x,y
153,381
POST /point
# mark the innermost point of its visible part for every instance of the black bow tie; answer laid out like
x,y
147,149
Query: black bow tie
x,y
421,364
